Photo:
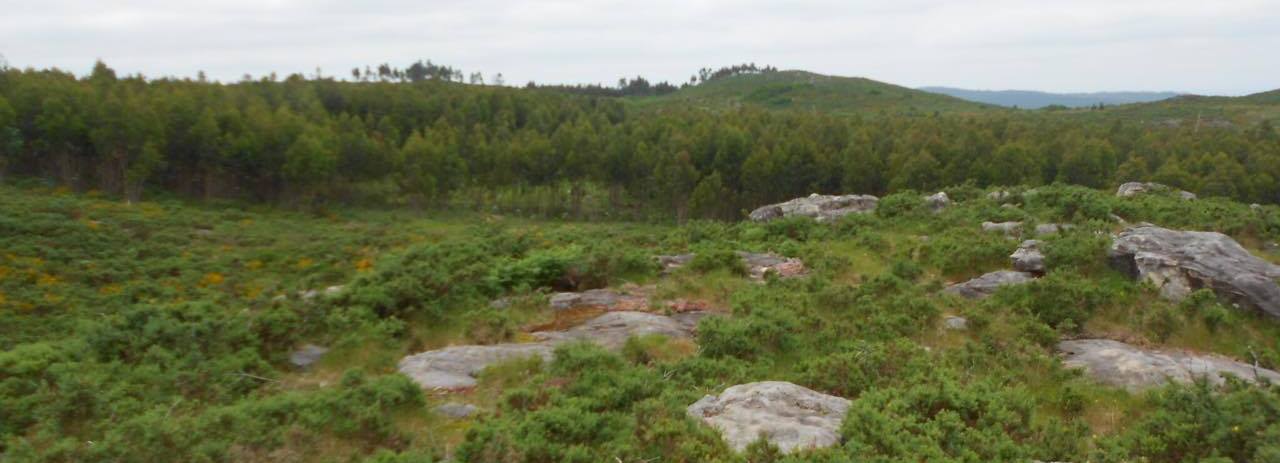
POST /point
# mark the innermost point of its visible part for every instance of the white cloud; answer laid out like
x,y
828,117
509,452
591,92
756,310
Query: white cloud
x,y
1209,47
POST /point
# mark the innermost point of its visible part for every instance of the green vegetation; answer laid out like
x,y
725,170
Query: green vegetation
x,y
161,330
439,144
807,91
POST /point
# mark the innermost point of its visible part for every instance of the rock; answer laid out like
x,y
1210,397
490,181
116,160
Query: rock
x,y
1127,366
985,285
1052,228
758,265
1131,189
1118,219
1179,262
500,303
937,201
956,323
456,410
307,355
456,367
1008,228
998,195
788,416
1028,258
820,207
327,292
671,263
628,298
1255,207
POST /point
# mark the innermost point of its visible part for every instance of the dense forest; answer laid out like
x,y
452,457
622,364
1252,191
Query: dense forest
x,y
429,141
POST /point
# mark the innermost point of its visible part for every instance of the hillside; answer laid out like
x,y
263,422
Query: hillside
x,y
802,90
1028,99
162,331
1196,110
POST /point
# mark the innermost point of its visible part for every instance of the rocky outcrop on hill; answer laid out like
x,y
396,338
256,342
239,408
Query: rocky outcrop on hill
x,y
757,264
456,367
987,284
1052,228
635,298
760,264
788,416
1179,262
937,201
1136,188
1133,368
1007,228
820,207
307,355
1028,258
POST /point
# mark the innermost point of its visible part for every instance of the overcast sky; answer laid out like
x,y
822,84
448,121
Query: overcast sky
x,y
1202,46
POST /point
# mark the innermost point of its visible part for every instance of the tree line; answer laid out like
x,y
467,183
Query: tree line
x,y
429,141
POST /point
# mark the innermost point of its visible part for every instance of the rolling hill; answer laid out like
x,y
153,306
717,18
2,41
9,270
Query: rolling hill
x,y
1199,111
804,90
1031,99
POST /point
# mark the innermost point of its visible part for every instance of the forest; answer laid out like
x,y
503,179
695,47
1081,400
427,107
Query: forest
x,y
432,142
406,268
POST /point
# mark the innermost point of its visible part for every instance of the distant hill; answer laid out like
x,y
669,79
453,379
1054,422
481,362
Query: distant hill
x,y
1198,111
1032,99
804,90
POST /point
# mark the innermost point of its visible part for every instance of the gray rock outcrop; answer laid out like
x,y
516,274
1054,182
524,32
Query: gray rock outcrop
x,y
307,355
456,410
1028,258
757,264
1123,365
937,201
456,367
760,264
1179,262
820,207
955,323
1007,228
1052,228
788,416
987,284
1131,189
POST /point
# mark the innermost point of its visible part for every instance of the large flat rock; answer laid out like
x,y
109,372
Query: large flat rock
x,y
788,416
987,284
820,207
456,367
758,264
1133,368
1179,262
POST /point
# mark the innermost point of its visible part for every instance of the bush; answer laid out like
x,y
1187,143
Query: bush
x,y
900,204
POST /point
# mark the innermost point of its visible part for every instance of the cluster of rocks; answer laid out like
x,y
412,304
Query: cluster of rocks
x,y
1126,366
758,264
1179,262
1028,263
456,367
822,208
1015,228
826,208
1131,189
788,416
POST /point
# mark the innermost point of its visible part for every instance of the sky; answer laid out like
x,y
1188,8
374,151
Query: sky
x,y
1223,47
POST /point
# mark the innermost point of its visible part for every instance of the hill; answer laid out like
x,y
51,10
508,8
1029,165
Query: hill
x,y
1197,110
805,90
1031,99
